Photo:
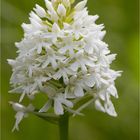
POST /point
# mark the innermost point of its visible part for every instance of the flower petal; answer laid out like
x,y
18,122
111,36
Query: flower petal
x,y
78,91
61,10
58,108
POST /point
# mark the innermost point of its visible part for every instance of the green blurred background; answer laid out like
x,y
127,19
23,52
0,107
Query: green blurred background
x,y
121,22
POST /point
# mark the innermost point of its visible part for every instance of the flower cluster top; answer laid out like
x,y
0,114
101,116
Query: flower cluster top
x,y
62,55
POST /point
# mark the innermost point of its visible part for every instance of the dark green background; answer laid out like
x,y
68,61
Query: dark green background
x,y
121,22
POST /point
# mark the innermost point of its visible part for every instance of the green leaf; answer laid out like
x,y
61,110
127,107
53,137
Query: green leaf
x,y
52,118
82,101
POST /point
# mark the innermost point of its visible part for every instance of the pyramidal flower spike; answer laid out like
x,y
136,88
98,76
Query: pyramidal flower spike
x,y
63,56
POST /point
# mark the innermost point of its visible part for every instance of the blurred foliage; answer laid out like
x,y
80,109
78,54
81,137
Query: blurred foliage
x,y
121,22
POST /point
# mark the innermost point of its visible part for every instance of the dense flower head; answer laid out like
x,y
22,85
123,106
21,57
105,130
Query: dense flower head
x,y
62,55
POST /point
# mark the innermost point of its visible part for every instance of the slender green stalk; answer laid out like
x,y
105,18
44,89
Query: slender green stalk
x,y
63,126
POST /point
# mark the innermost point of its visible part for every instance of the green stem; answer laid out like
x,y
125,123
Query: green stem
x,y
63,126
